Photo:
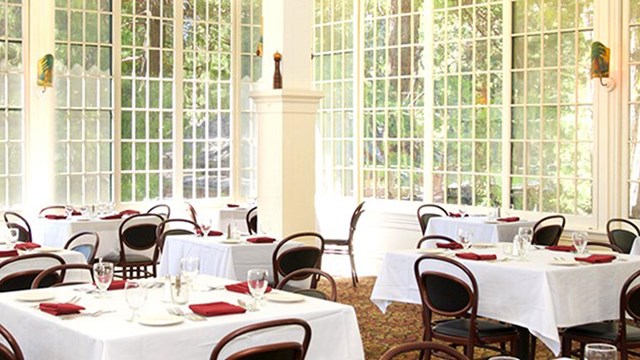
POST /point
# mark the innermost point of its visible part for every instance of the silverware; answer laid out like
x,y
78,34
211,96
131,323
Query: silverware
x,y
91,314
188,315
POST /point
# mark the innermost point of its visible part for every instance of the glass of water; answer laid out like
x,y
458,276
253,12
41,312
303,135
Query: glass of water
x,y
600,352
579,241
103,275
257,280
189,269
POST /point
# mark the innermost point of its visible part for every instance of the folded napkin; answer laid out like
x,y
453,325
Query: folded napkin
x,y
565,248
76,213
233,205
597,258
261,240
242,287
111,217
8,253
509,219
452,214
449,245
26,246
60,308
474,256
210,233
129,212
216,308
55,217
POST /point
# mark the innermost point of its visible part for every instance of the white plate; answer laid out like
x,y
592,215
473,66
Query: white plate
x,y
160,319
35,295
284,297
231,241
604,252
47,249
432,251
565,262
481,245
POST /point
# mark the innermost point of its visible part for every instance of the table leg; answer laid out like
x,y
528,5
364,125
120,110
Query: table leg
x,y
524,339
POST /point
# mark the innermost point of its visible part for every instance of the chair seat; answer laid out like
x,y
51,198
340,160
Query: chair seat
x,y
131,259
460,328
603,330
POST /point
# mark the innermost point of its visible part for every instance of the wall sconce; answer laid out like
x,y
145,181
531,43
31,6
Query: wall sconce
x,y
600,57
45,72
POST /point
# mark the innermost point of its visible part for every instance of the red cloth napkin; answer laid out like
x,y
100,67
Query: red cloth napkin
x,y
474,256
509,219
452,214
565,248
216,308
8,253
210,233
111,217
449,245
60,308
26,246
261,240
55,217
597,258
129,212
76,213
117,285
233,205
242,287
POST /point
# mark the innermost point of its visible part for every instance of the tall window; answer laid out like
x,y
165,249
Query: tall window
x,y
11,104
634,109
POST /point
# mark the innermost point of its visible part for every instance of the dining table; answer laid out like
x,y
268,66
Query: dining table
x,y
543,292
483,229
105,329
69,257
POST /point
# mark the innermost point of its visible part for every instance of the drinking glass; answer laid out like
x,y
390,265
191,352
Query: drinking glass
x,y
103,275
189,269
68,210
205,226
600,352
14,235
136,295
257,280
180,291
579,241
464,238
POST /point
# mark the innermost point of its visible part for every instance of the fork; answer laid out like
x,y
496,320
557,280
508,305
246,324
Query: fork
x,y
91,314
189,315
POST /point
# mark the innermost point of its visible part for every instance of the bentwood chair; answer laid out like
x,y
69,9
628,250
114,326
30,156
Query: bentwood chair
x,y
430,241
345,246
17,221
289,259
161,209
139,251
313,292
9,348
53,210
622,233
620,333
456,299
86,243
424,347
547,231
192,213
252,220
283,350
22,270
426,212
175,227
58,275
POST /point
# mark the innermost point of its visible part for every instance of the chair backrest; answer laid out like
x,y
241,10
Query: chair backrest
x,y
252,220
423,346
547,230
591,244
53,209
59,273
288,350
163,210
435,239
622,233
317,273
355,217
86,242
426,212
11,350
295,258
629,303
192,213
186,227
138,232
17,221
22,270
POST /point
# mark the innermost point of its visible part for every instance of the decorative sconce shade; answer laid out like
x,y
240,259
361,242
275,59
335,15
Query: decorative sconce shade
x,y
45,72
600,59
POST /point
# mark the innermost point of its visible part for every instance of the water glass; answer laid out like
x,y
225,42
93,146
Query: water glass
x,y
136,295
205,226
14,235
464,238
180,291
257,280
579,241
103,275
600,352
189,269
68,210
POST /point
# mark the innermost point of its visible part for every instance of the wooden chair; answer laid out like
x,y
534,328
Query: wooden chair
x,y
424,347
426,212
313,292
457,298
86,242
192,213
598,244
622,233
139,249
547,231
17,221
22,270
252,220
53,209
9,348
58,275
345,246
621,333
187,227
161,209
299,257
285,350
434,239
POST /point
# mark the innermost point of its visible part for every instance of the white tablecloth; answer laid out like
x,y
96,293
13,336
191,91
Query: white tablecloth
x,y
70,257
534,293
231,261
483,230
335,333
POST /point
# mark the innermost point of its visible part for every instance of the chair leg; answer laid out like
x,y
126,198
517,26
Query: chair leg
x,y
354,274
566,346
532,347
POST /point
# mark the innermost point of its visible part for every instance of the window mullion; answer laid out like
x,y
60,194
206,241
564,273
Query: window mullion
x,y
178,104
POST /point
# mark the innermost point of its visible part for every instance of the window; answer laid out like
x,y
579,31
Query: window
x,y
634,108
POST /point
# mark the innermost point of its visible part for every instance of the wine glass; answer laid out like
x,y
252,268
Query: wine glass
x,y
68,210
136,295
205,226
600,352
14,235
579,241
526,234
103,275
464,238
462,210
189,269
257,281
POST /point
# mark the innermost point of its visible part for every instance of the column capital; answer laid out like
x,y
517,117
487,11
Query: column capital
x,y
287,101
